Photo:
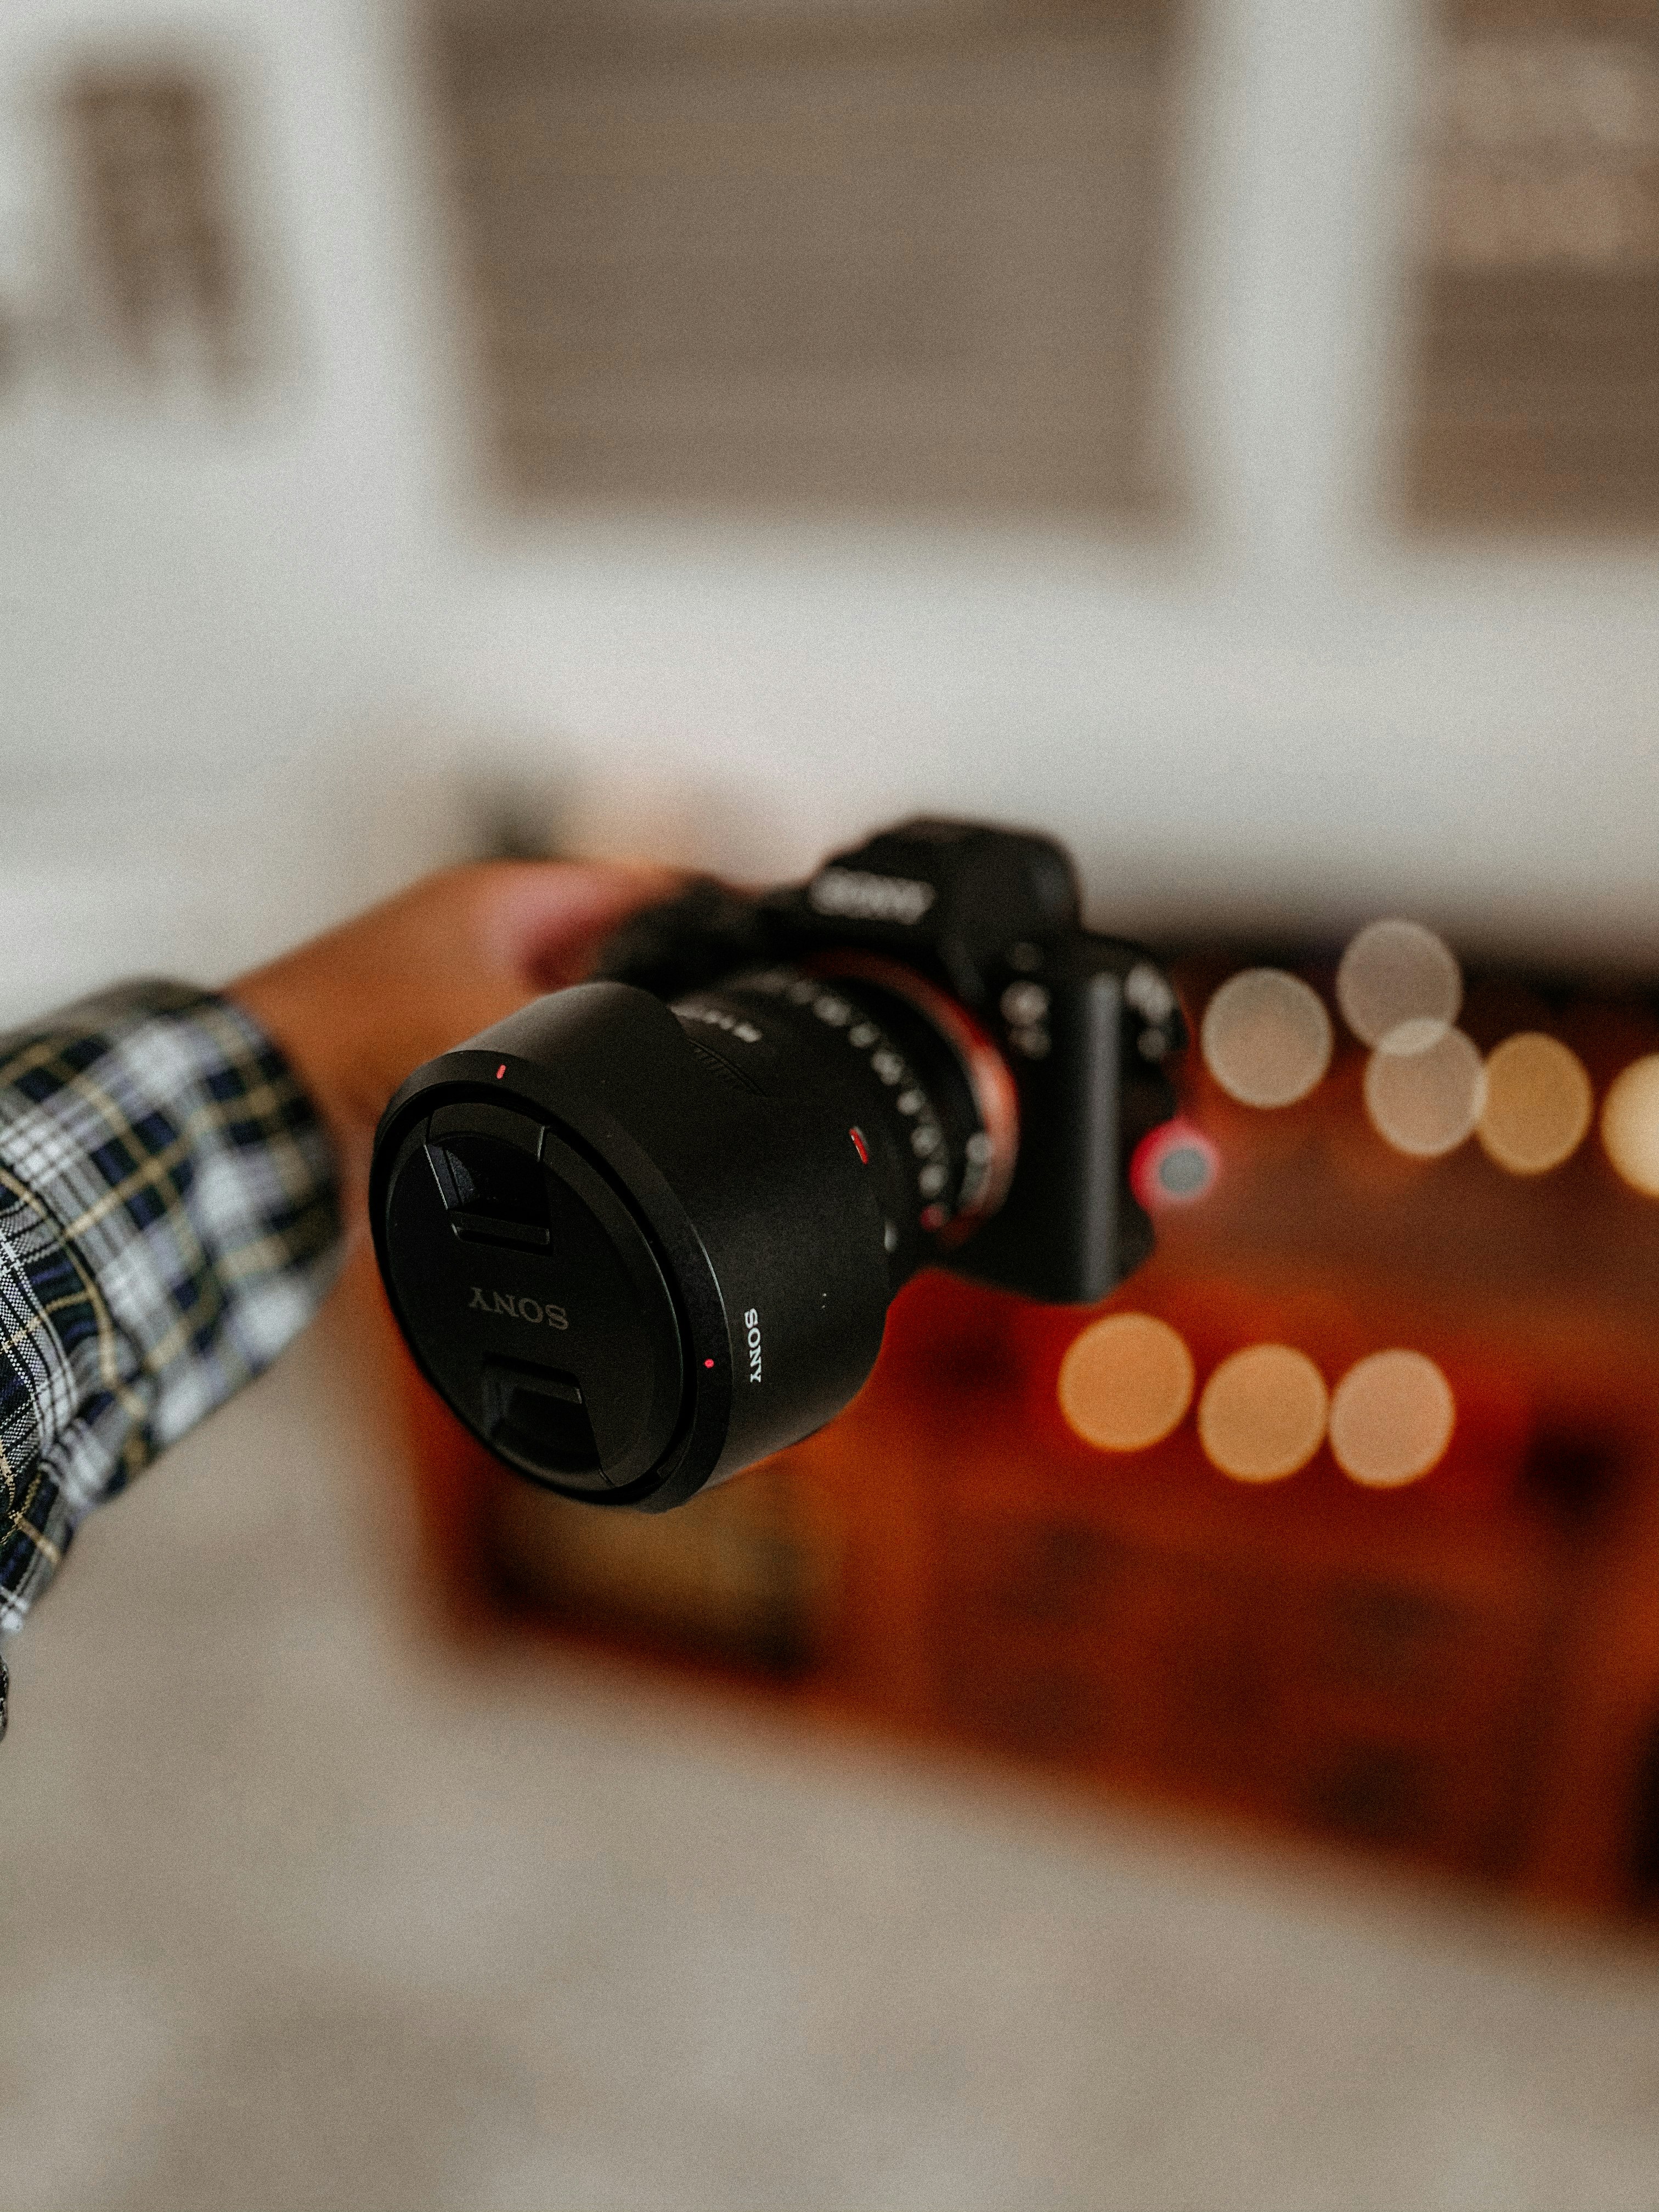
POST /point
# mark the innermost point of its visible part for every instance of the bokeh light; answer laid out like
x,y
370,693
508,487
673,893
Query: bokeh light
x,y
1426,1103
1540,1103
1630,1125
1176,1164
1392,1418
1125,1381
1266,1037
1263,1411
1397,976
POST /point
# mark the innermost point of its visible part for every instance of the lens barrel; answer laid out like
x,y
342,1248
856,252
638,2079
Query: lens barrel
x,y
930,1104
637,1247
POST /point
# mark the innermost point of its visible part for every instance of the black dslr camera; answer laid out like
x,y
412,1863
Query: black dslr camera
x,y
647,1229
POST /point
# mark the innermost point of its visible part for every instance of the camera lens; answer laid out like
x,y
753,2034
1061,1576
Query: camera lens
x,y
638,1247
931,1106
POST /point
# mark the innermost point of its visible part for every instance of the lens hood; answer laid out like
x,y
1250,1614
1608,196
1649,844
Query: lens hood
x,y
626,1266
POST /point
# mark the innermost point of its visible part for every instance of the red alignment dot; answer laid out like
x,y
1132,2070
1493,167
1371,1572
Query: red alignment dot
x,y
500,1071
859,1144
708,1363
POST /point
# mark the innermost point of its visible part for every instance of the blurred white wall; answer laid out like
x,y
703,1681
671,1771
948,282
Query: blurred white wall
x,y
274,621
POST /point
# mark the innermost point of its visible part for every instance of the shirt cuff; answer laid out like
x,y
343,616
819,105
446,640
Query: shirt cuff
x,y
169,1221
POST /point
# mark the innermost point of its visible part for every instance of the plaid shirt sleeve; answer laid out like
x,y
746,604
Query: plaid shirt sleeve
x,y
168,1222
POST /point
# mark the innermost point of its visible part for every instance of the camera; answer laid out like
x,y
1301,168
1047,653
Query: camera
x,y
646,1230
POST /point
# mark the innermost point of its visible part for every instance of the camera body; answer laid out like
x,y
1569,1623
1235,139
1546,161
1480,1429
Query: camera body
x,y
1086,1026
647,1230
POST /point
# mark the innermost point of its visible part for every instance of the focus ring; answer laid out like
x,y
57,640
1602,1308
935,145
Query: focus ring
x,y
874,1038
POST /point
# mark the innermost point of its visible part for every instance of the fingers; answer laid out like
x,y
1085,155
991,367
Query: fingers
x,y
356,1010
552,917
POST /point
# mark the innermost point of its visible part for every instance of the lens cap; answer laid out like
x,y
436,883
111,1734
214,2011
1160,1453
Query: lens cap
x,y
536,1296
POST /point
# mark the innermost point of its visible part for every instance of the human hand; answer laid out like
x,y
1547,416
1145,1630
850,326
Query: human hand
x,y
356,1010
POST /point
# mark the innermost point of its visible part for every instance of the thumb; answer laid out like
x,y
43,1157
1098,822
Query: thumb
x,y
550,921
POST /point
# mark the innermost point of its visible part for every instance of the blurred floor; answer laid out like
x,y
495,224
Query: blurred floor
x,y
301,1910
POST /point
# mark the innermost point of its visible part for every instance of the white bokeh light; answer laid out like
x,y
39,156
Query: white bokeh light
x,y
1426,1103
1266,1037
1262,1414
1399,986
1630,1125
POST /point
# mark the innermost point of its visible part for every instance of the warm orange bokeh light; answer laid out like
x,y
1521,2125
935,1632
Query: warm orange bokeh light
x,y
1540,1103
1263,1411
1392,1417
1125,1381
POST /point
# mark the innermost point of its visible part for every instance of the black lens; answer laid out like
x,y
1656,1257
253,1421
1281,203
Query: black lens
x,y
927,1101
637,1248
